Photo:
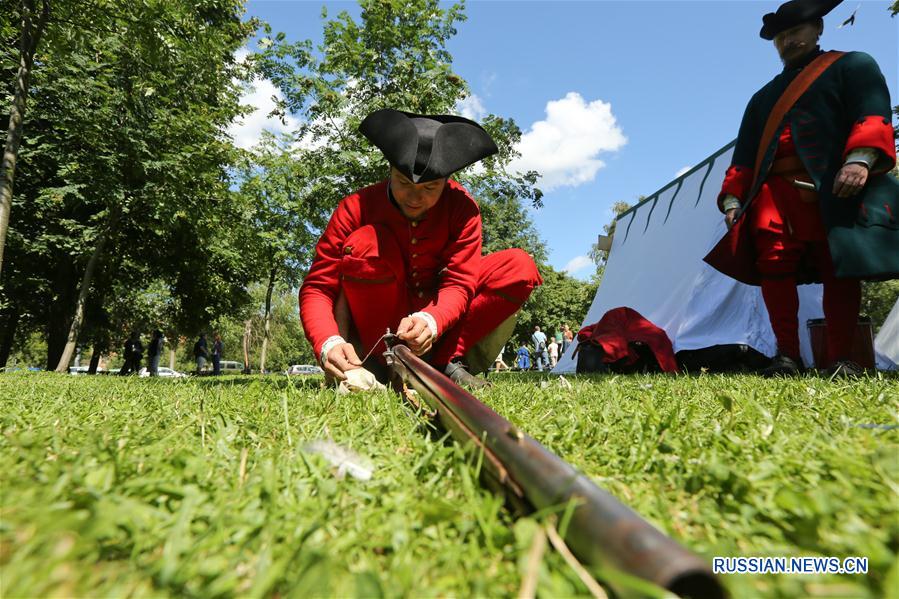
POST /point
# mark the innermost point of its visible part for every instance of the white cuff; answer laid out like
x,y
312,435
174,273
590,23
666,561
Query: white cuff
x,y
730,202
866,156
329,344
432,324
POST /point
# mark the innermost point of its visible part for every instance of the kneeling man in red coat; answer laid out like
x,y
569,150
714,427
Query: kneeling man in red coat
x,y
405,254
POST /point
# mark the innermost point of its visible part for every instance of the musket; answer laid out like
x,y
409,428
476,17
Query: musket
x,y
602,532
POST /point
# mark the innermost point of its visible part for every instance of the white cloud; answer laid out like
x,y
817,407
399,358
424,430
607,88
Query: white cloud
x,y
682,171
262,96
564,147
577,264
471,108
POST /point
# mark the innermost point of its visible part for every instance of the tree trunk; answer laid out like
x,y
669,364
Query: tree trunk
x,y
30,36
10,322
75,327
268,320
95,360
62,295
248,328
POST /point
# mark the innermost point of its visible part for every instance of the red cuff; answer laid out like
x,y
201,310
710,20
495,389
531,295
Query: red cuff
x,y
736,183
873,132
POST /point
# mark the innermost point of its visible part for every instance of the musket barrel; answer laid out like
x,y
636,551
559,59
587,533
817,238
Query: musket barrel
x,y
602,530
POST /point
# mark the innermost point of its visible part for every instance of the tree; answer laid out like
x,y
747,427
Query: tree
x,y
127,159
601,257
33,20
878,298
272,178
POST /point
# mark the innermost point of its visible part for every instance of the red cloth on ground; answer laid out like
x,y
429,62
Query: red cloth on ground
x,y
620,327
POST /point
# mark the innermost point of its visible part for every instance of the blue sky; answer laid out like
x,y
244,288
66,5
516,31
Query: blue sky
x,y
615,97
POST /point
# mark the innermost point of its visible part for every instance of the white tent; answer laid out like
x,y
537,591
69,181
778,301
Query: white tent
x,y
887,342
655,267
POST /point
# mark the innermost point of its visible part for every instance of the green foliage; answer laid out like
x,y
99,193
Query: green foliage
x,y
394,56
287,344
600,257
31,352
118,487
878,298
561,299
273,180
125,142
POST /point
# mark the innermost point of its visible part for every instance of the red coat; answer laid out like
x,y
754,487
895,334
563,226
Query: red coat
x,y
621,326
442,253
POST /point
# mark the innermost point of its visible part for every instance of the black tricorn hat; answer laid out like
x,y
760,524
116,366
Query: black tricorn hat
x,y
426,147
792,13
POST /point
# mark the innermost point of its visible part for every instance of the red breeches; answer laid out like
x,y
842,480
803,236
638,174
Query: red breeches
x,y
786,234
380,294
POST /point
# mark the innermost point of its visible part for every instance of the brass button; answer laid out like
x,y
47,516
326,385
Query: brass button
x,y
415,255
348,250
414,274
421,294
414,241
415,223
417,284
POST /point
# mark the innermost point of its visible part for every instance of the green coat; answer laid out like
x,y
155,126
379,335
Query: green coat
x,y
862,232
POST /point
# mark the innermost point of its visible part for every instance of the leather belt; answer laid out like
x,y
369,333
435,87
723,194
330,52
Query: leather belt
x,y
793,171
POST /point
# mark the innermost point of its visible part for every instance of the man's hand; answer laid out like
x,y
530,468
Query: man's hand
x,y
850,180
341,358
415,332
730,216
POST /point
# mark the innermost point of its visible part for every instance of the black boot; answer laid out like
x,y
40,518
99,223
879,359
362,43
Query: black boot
x,y
782,365
458,373
844,369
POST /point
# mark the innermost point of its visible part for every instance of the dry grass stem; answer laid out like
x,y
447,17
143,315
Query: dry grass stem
x,y
535,556
559,544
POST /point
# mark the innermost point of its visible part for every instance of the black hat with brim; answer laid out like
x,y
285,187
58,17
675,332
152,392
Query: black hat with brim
x,y
427,147
792,13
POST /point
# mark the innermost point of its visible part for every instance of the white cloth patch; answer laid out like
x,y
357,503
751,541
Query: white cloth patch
x,y
359,379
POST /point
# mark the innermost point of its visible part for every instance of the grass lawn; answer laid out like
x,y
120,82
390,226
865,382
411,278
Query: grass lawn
x,y
115,487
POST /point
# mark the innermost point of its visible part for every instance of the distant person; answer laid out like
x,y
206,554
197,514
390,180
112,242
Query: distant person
x,y
500,363
217,349
201,352
553,348
134,353
807,197
154,351
523,358
541,357
567,338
